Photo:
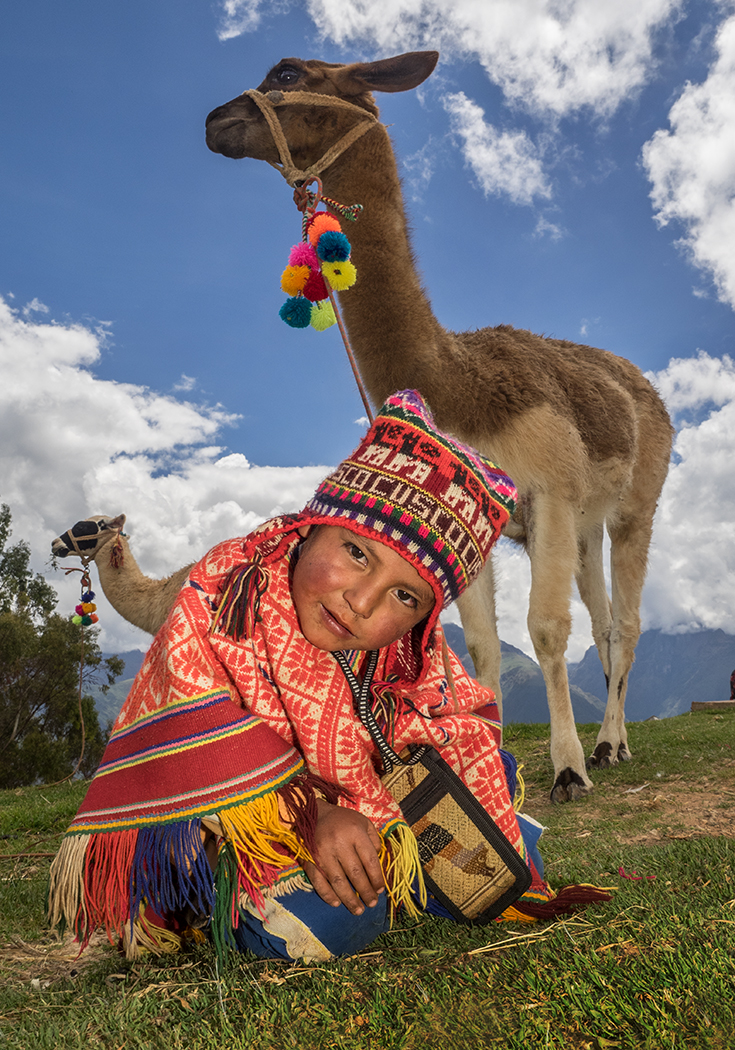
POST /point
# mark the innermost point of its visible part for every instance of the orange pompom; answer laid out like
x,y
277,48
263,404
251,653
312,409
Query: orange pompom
x,y
294,278
321,222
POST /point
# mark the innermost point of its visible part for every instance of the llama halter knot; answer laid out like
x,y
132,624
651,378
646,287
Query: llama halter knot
x,y
85,613
319,266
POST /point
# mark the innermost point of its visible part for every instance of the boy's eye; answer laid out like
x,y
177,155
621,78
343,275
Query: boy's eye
x,y
406,598
355,552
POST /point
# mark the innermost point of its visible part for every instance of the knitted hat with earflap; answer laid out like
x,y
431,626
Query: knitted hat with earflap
x,y
437,502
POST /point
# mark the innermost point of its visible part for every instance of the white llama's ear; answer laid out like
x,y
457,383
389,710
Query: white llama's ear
x,y
116,523
401,73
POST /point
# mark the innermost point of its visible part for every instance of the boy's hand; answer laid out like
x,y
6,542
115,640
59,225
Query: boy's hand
x,y
347,853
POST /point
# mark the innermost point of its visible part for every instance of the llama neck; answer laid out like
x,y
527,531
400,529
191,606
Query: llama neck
x,y
396,338
131,594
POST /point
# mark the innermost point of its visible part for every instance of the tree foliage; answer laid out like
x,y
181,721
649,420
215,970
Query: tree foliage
x,y
41,654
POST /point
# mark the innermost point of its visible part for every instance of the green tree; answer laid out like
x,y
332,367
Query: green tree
x,y
41,654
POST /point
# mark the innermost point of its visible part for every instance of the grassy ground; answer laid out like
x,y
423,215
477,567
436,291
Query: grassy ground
x,y
654,968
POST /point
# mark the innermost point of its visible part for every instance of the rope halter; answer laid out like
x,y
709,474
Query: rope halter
x,y
267,104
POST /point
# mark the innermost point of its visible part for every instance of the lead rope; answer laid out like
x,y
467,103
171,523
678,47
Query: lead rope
x,y
361,695
306,199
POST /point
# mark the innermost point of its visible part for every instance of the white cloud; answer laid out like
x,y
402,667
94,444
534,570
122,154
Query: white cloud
x,y
692,167
62,431
34,306
503,162
692,565
185,384
238,17
552,57
73,445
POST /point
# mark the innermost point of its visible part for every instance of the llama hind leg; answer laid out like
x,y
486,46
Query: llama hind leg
x,y
552,547
630,538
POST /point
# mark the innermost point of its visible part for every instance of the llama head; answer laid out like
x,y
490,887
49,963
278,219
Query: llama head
x,y
87,538
238,129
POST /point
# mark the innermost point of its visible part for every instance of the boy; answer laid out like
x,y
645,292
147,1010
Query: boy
x,y
239,748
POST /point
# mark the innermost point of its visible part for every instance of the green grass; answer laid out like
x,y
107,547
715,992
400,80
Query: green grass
x,y
653,968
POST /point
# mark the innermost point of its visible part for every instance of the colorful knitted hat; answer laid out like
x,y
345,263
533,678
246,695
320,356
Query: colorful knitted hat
x,y
437,502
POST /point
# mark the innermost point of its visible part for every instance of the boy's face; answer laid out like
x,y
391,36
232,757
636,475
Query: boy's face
x,y
354,593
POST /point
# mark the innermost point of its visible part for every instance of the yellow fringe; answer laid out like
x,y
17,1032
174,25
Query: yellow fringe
x,y
520,794
511,915
254,829
403,870
147,939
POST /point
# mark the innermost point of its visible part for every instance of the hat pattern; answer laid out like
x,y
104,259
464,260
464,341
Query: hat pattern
x,y
438,502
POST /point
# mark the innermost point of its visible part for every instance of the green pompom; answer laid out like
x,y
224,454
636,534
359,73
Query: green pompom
x,y
76,619
322,316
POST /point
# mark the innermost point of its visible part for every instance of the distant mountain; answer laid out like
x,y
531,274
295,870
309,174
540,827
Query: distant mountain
x,y
108,704
670,671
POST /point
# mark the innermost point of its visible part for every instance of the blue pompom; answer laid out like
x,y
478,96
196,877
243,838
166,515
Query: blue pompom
x,y
296,311
333,246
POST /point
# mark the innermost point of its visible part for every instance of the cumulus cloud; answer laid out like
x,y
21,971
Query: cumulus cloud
x,y
692,564
73,445
504,162
692,167
552,58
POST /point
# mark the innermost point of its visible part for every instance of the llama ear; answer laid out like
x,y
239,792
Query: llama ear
x,y
116,523
401,73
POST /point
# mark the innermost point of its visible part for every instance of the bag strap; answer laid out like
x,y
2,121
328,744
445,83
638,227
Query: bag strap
x,y
361,696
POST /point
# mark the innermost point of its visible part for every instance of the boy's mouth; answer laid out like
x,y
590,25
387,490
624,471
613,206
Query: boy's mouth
x,y
334,624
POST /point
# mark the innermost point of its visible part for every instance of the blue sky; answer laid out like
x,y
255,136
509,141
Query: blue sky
x,y
539,163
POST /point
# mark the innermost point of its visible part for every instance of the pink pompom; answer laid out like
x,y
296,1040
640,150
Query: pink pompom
x,y
304,254
79,610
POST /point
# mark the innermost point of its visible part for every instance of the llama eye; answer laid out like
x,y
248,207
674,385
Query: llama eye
x,y
287,75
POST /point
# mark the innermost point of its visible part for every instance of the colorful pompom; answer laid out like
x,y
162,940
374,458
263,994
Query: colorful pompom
x,y
86,621
296,312
341,275
79,609
322,316
88,596
333,246
294,278
76,619
321,222
303,254
315,289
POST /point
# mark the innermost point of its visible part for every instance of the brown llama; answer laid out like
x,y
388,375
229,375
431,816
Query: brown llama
x,y
583,434
141,600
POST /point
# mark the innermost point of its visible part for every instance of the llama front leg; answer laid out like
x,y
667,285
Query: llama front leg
x,y
477,611
552,547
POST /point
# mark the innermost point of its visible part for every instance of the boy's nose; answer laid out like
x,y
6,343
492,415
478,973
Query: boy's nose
x,y
361,600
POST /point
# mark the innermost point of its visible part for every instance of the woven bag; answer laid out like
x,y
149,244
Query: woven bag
x,y
469,865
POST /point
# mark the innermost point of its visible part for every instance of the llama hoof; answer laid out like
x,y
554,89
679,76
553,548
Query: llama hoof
x,y
569,787
601,757
624,754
